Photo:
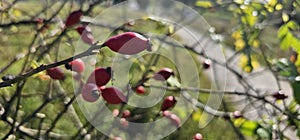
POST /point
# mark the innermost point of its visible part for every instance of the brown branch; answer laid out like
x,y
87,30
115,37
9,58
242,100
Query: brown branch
x,y
90,51
34,132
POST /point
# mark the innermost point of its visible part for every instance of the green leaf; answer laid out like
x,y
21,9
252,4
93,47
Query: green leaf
x,y
283,30
204,4
263,133
257,5
286,68
285,73
285,42
295,43
249,127
292,25
296,91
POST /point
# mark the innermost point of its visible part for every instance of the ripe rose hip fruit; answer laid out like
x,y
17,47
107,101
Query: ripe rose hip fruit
x,y
128,43
126,114
76,65
197,136
100,76
206,64
175,120
113,95
86,34
73,18
163,74
168,103
237,114
117,138
115,112
166,113
90,92
55,73
140,90
77,76
279,95
124,123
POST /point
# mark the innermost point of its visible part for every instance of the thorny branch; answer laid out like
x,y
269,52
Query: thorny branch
x,y
20,81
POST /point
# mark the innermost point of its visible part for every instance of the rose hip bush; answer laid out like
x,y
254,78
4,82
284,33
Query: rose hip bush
x,y
54,60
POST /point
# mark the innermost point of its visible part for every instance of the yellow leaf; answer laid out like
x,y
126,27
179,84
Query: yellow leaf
x,y
238,1
247,69
270,9
255,43
238,122
272,2
34,64
236,35
244,63
196,115
171,29
205,4
285,17
17,13
255,64
43,76
278,7
243,60
239,44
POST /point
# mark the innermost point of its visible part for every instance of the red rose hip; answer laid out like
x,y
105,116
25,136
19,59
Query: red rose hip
x,y
73,18
279,95
197,136
90,92
115,112
237,114
163,74
117,138
100,76
128,43
113,95
169,102
77,76
55,73
140,90
124,123
86,34
166,113
175,120
206,64
125,114
76,65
